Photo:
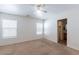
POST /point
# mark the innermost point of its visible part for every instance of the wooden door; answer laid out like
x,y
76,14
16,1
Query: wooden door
x,y
62,31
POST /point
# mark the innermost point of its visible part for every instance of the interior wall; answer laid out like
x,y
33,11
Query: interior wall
x,y
72,27
26,29
50,27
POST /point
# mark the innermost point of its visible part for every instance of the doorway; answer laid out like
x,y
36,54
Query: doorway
x,y
62,31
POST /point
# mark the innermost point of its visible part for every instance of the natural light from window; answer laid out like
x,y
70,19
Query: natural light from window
x,y
39,28
9,28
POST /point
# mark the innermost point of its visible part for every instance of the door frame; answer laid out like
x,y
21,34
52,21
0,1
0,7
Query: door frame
x,y
62,34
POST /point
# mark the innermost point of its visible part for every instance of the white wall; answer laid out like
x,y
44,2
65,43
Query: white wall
x,y
51,28
72,27
26,29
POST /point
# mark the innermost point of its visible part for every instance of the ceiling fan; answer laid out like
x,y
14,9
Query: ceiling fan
x,y
41,7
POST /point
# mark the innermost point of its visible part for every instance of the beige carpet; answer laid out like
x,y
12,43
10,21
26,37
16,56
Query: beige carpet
x,y
37,47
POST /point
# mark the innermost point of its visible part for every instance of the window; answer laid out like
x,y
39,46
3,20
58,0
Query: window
x,y
9,28
39,27
46,27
